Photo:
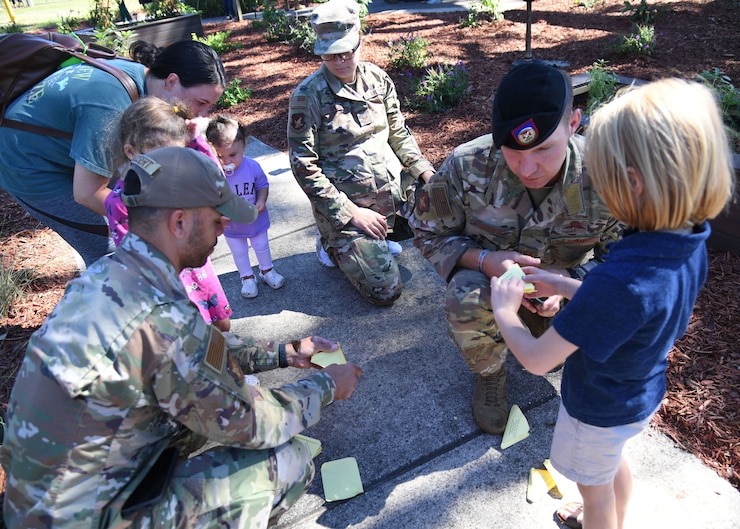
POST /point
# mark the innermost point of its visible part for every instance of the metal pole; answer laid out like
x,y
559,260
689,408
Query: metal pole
x,y
528,49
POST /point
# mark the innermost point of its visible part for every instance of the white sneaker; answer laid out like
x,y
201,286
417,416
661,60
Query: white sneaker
x,y
272,279
321,255
394,247
249,287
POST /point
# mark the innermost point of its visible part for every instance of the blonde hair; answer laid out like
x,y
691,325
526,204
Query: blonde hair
x,y
669,132
150,123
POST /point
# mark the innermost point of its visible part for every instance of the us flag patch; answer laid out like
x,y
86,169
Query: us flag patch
x,y
216,352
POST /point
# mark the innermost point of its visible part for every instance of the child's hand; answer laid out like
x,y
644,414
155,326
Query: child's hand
x,y
508,295
261,206
550,285
545,283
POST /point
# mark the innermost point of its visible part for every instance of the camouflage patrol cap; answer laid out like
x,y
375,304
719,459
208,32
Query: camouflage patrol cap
x,y
529,105
337,26
182,178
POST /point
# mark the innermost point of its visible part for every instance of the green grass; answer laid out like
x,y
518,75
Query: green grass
x,y
47,13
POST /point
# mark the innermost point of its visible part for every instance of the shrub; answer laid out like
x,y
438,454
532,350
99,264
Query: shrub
x,y
640,42
483,11
602,85
440,88
218,41
729,100
233,95
409,52
279,27
642,13
115,39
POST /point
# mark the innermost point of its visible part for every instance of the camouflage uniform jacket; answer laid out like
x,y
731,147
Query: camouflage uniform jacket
x,y
475,200
122,365
351,144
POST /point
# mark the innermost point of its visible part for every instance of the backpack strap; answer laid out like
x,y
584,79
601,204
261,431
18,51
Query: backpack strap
x,y
102,64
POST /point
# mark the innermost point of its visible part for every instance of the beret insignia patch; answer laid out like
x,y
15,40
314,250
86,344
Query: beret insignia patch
x,y
526,133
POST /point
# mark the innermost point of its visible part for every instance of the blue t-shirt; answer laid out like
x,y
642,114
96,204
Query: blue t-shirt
x,y
80,99
625,318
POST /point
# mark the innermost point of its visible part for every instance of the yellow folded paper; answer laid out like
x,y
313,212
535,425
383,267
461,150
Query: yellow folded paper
x,y
541,483
314,445
341,479
326,358
556,476
516,271
517,428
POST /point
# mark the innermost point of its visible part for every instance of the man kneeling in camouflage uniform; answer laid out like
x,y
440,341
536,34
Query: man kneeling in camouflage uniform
x,y
520,195
125,369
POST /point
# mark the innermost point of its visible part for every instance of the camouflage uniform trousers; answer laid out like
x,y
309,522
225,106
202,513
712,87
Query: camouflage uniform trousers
x,y
369,266
471,325
232,487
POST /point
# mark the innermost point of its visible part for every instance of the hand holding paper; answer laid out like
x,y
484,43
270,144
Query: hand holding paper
x,y
515,271
325,358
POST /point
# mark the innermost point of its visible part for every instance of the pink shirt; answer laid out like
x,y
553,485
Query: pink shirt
x,y
201,284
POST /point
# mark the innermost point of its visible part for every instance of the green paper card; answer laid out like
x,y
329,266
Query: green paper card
x,y
517,428
516,271
341,479
326,358
314,445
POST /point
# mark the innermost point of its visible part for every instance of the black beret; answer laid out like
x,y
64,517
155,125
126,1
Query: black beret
x,y
529,105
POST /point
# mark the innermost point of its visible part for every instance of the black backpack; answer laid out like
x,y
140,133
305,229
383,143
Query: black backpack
x,y
28,59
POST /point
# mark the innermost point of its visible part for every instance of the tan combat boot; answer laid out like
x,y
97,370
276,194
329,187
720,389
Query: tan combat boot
x,y
490,409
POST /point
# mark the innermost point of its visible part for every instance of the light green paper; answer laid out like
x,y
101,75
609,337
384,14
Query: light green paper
x,y
326,358
314,445
341,479
516,271
517,428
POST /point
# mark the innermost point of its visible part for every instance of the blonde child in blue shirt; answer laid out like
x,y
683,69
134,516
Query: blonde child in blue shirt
x,y
663,167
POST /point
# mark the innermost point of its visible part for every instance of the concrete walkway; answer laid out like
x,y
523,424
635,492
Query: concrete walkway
x,y
423,461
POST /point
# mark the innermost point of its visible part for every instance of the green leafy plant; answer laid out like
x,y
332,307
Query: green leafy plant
x,y
161,9
590,4
233,95
409,52
482,11
729,101
721,83
117,40
102,15
602,85
279,27
440,88
218,41
643,13
13,286
640,42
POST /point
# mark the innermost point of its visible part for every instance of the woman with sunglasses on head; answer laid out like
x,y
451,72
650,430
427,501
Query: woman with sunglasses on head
x,y
354,157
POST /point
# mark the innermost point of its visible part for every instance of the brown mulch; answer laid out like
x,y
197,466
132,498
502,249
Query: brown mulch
x,y
701,409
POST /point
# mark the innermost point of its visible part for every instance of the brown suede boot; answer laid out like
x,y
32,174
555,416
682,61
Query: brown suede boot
x,y
490,409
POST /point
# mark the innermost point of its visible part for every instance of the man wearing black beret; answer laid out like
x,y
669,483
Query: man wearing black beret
x,y
517,196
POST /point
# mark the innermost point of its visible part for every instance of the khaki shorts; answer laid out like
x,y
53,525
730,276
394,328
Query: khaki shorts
x,y
590,455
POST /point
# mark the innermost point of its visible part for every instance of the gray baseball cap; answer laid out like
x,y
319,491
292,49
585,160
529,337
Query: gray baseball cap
x,y
182,178
337,26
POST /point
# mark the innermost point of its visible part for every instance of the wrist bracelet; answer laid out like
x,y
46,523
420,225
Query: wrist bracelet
x,y
296,346
481,259
282,356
